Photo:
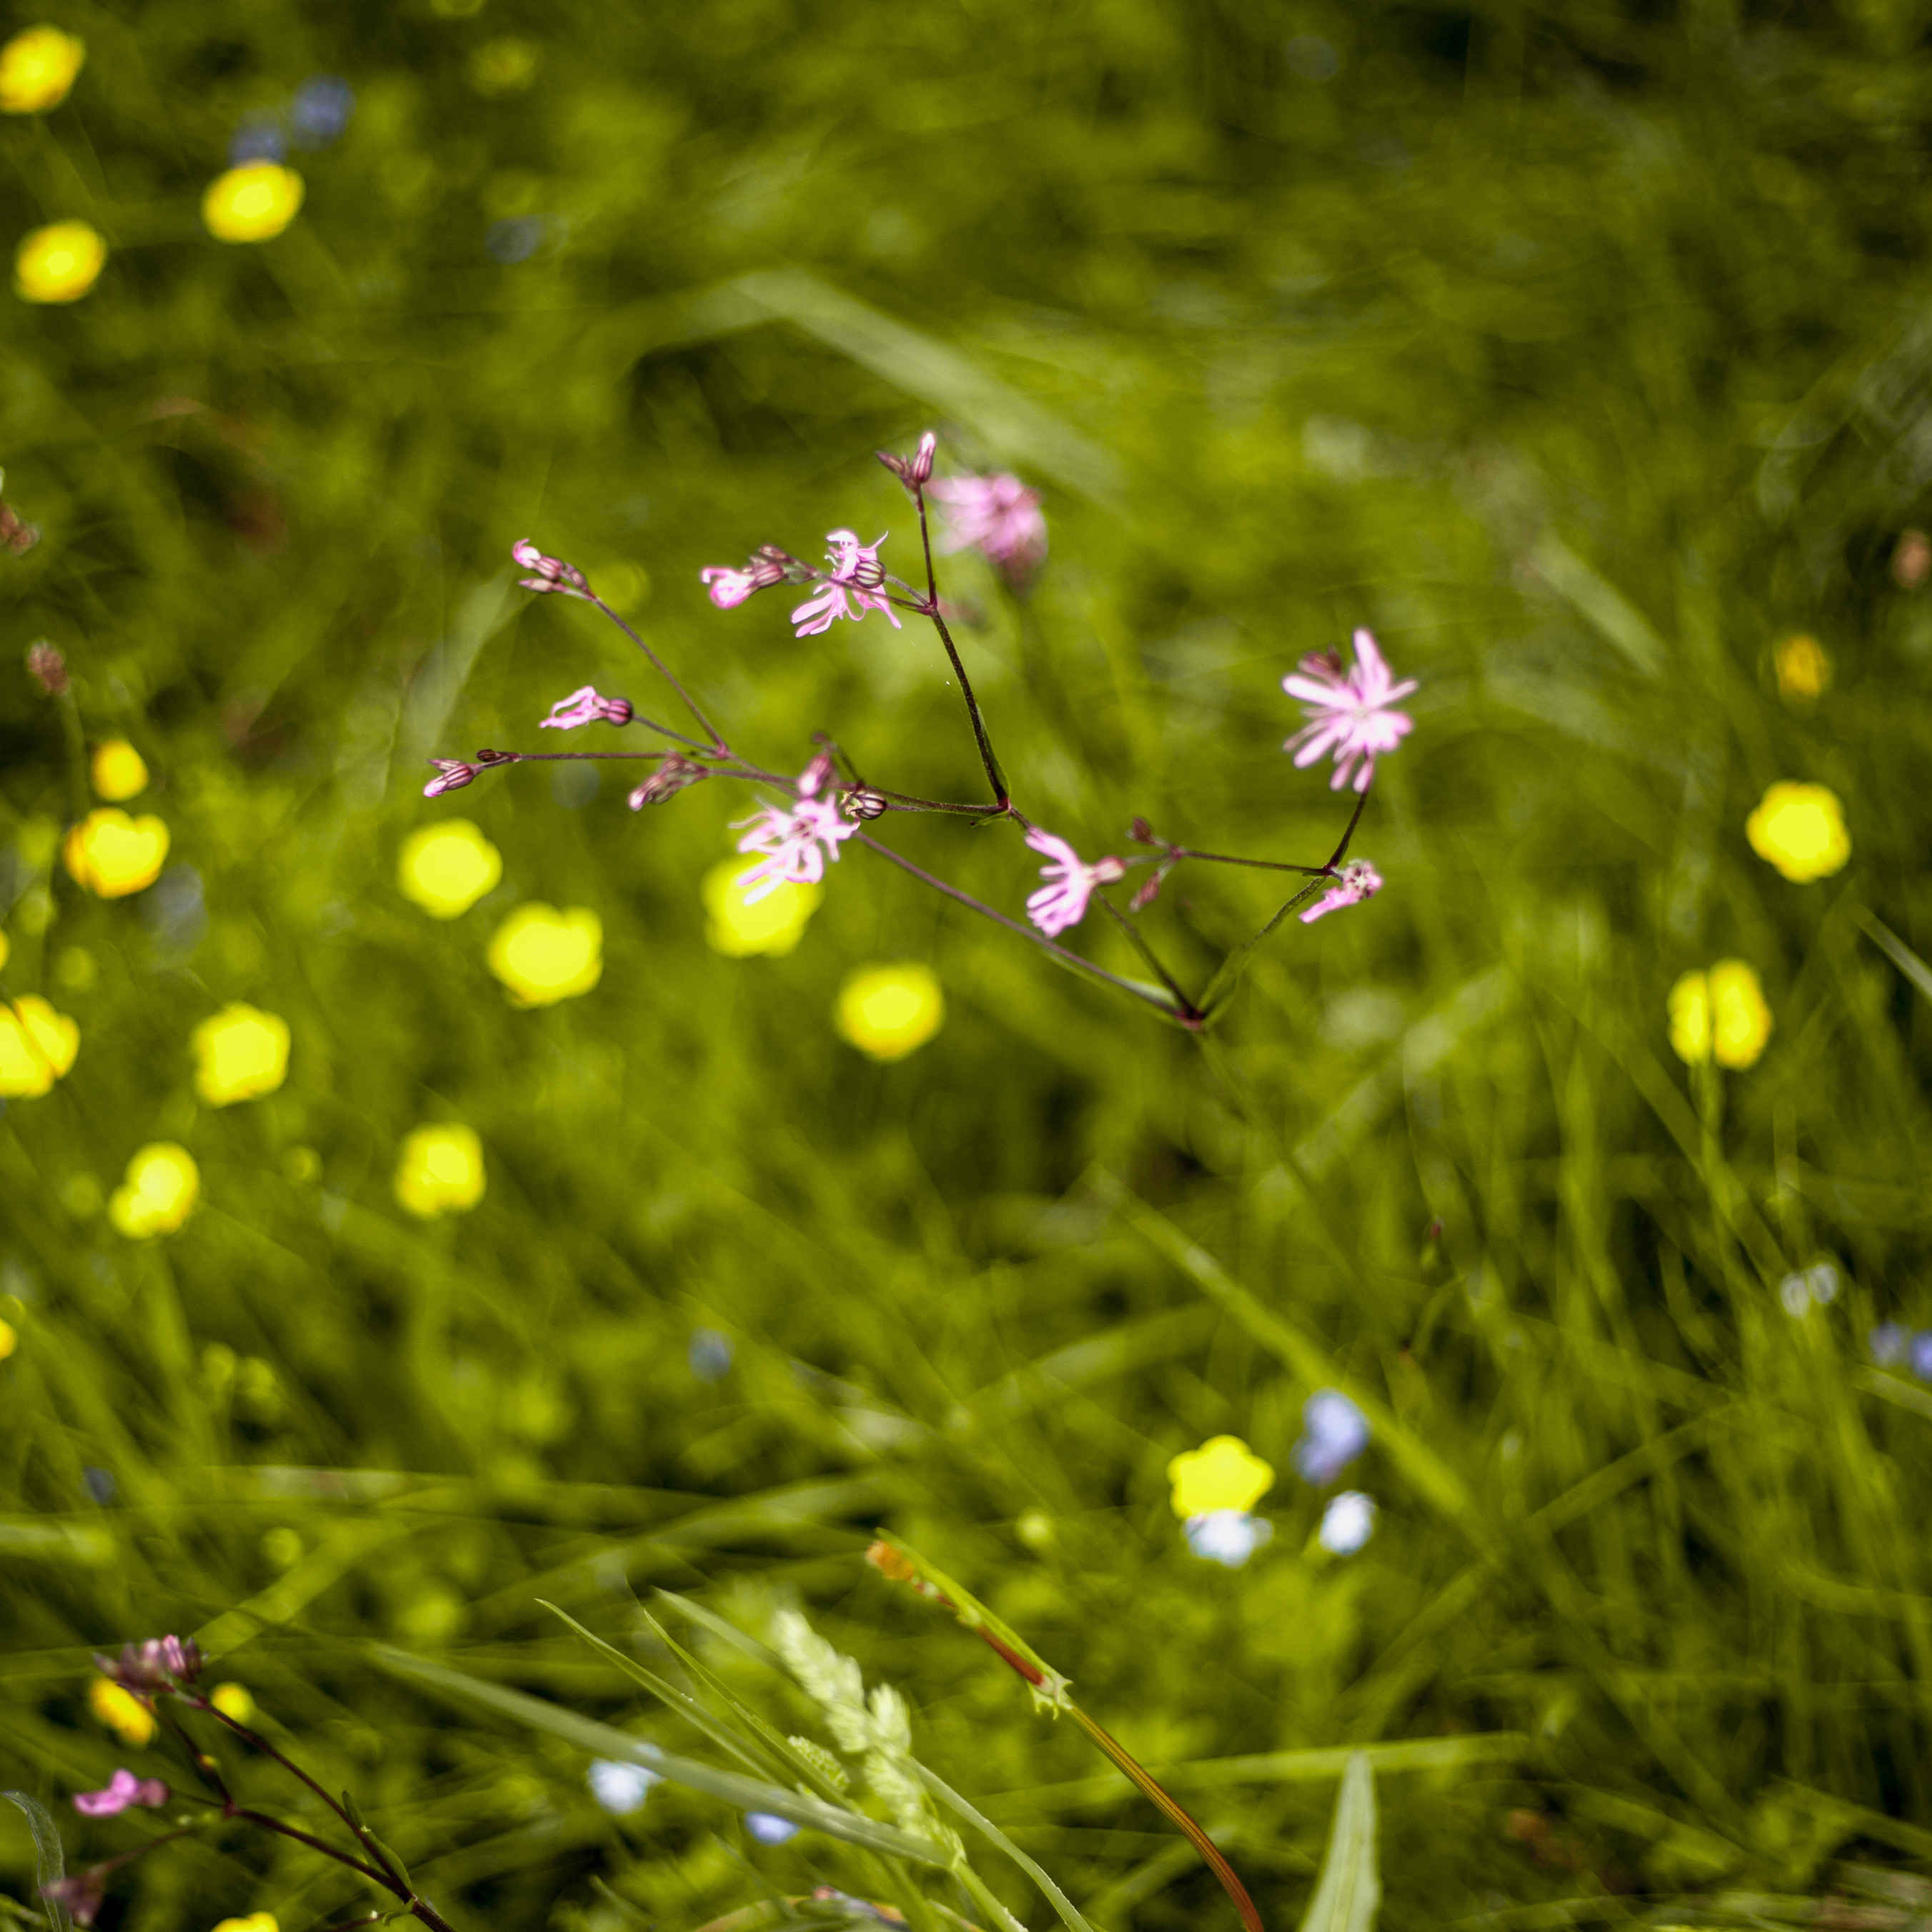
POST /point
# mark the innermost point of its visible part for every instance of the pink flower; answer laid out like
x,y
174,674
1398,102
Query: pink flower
x,y
913,470
1070,880
728,588
1356,881
586,707
855,578
998,516
797,840
551,573
124,1789
451,775
1348,711
160,1663
83,1894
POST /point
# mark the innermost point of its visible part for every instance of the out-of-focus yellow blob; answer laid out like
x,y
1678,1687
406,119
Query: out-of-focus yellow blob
x,y
240,1054
6,948
159,1194
59,263
112,854
1223,1473
118,771
253,202
37,69
774,925
122,1712
625,586
441,1170
502,67
256,1921
10,1340
37,1046
1720,1014
1803,670
1800,829
888,1011
543,956
232,1700
447,867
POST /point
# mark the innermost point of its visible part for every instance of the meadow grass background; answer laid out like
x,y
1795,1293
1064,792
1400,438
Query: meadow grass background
x,y
1580,349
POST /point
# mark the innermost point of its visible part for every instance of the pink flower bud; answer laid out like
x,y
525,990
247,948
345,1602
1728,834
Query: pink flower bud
x,y
669,779
551,573
451,775
47,668
861,803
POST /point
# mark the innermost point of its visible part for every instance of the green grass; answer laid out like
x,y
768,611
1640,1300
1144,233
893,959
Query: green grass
x,y
1579,351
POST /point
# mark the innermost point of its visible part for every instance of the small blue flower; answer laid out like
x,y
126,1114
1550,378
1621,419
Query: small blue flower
x,y
1888,1342
769,1829
1347,1523
1228,1536
1920,1355
621,1788
321,109
708,1354
1335,1433
514,240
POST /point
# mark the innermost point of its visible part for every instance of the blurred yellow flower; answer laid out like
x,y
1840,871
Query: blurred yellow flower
x,y
37,69
9,1339
112,854
1800,829
774,924
240,1054
502,67
256,1921
1720,1015
1223,1473
1803,670
441,1170
118,770
253,202
59,264
159,1193
447,867
6,948
232,1700
543,956
888,1011
122,1712
37,1046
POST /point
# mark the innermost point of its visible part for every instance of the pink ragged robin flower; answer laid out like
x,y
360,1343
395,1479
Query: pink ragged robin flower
x,y
727,588
160,1663
855,579
1356,881
1062,901
124,1789
1348,711
796,840
586,707
998,516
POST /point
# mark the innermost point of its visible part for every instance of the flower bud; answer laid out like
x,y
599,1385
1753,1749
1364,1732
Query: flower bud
x,y
551,573
812,780
1146,892
916,470
451,775
863,803
669,779
47,668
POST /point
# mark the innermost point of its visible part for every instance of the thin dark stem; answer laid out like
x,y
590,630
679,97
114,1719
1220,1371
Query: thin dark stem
x,y
1073,960
979,738
322,1845
663,670
1340,852
1188,1008
902,801
141,1851
1262,864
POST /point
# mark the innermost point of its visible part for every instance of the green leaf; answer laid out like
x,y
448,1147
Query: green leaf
x,y
1348,1891
50,1860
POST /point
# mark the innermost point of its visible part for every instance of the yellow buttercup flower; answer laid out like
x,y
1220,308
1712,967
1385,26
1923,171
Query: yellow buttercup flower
x,y
256,1921
122,1712
240,1054
6,948
253,202
112,854
441,1170
158,1195
1720,1014
37,1046
889,1011
774,924
1803,670
232,1700
10,1340
59,264
37,69
543,956
118,771
1223,1473
447,867
1800,829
